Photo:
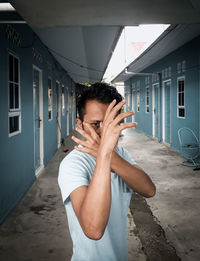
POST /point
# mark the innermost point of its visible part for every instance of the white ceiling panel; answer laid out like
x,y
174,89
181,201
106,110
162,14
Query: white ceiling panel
x,y
113,12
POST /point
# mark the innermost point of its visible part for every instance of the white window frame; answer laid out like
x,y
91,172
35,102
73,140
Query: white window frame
x,y
51,105
182,78
63,99
16,111
138,100
147,96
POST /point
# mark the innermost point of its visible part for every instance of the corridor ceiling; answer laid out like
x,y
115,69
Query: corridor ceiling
x,y
174,37
82,34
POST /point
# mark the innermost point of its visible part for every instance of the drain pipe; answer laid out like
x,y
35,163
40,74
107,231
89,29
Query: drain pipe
x,y
160,111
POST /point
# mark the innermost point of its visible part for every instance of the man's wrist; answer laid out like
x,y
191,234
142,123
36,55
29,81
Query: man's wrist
x,y
104,152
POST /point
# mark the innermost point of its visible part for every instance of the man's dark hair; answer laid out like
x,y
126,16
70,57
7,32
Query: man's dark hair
x,y
101,92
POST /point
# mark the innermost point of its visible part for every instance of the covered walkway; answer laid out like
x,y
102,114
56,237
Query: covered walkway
x,y
165,227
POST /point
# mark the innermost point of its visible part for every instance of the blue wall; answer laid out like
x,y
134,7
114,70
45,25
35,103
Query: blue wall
x,y
17,171
190,53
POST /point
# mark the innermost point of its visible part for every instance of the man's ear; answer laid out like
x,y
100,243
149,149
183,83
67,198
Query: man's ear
x,y
79,123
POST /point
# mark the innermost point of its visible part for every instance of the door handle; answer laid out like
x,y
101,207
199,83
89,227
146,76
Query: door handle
x,y
39,120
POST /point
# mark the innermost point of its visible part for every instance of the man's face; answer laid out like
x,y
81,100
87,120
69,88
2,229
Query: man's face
x,y
94,115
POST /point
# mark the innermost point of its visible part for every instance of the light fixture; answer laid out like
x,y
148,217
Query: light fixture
x,y
6,7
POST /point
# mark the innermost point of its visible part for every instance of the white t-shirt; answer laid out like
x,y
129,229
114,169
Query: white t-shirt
x,y
76,170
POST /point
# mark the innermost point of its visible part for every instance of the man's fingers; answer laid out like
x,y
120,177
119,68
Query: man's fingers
x,y
110,107
92,131
83,133
128,125
86,150
83,149
114,110
119,106
81,142
122,116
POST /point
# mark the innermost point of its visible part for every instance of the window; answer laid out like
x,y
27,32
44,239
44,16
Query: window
x,y
133,86
63,100
50,99
14,123
138,100
181,97
183,66
166,72
169,71
129,99
179,67
147,99
163,73
155,77
14,112
138,84
147,80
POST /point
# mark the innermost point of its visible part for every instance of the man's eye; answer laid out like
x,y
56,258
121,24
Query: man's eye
x,y
95,124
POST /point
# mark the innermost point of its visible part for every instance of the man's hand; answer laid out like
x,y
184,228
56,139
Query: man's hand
x,y
111,127
110,130
91,141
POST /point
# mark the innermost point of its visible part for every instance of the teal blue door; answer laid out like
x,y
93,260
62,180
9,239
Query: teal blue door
x,y
167,111
36,117
156,112
58,117
133,105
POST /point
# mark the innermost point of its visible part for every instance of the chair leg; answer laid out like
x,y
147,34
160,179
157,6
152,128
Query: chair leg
x,y
190,163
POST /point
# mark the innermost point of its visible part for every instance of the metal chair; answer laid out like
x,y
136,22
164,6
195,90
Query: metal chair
x,y
189,146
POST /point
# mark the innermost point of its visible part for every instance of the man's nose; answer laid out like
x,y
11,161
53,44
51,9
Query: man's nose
x,y
98,131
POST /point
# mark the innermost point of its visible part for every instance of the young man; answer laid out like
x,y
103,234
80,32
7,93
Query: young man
x,y
97,178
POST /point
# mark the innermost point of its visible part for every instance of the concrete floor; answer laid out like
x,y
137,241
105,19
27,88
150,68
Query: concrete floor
x,y
37,228
176,204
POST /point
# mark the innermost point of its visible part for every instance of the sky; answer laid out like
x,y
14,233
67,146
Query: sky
x,y
134,40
